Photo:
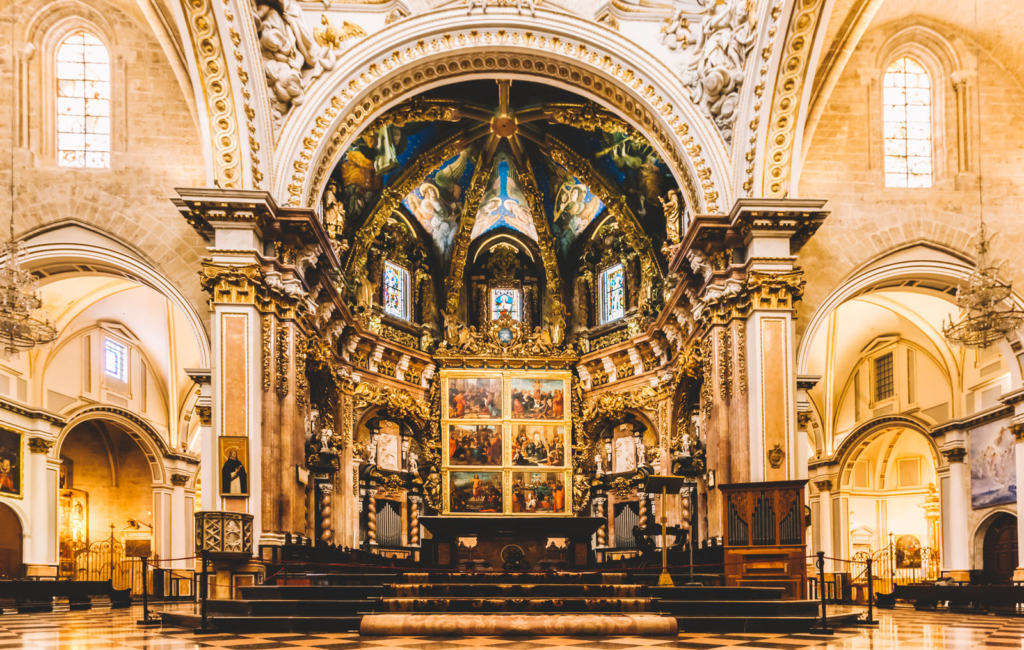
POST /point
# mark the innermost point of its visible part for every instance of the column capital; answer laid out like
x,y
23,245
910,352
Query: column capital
x,y
179,480
40,445
955,454
1017,429
823,485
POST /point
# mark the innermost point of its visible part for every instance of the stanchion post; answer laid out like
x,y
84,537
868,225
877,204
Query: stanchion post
x,y
871,595
821,591
146,620
204,591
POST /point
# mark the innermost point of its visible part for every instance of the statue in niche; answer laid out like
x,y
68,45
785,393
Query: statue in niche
x,y
334,211
641,452
673,207
292,59
371,452
414,463
599,465
365,290
556,323
325,440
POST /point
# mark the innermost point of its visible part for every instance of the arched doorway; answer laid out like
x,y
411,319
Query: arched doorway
x,y
999,551
10,544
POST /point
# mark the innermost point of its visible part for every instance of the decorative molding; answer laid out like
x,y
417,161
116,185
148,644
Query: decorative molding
x,y
955,455
267,352
615,403
741,356
766,54
789,85
179,480
824,485
250,114
212,68
1017,430
776,455
282,360
205,414
40,445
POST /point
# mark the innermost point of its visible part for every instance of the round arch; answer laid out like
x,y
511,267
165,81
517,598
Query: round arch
x,y
449,45
939,270
152,445
978,535
860,437
71,246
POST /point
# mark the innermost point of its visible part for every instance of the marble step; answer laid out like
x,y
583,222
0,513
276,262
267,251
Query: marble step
x,y
782,624
496,590
747,608
313,592
298,624
513,625
509,605
502,577
305,608
717,593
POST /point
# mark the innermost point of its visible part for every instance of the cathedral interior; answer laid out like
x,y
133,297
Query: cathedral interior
x,y
372,315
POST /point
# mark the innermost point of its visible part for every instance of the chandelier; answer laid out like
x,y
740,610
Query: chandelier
x,y
19,300
984,317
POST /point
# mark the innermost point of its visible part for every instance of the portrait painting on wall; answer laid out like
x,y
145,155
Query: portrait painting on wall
x,y
234,466
476,492
538,399
908,552
993,466
538,445
11,457
538,492
474,398
474,444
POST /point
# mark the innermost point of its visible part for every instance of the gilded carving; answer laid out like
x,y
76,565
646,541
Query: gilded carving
x,y
398,336
707,387
205,414
268,325
824,485
301,381
503,339
955,455
591,117
741,356
625,369
789,85
460,246
614,403
546,243
416,111
1018,431
399,403
766,54
40,445
725,363
283,360
213,71
776,455
179,480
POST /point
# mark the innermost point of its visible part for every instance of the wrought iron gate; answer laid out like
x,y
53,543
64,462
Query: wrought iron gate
x,y
104,560
893,566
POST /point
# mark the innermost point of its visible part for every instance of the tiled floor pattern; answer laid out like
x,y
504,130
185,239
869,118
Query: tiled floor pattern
x,y
116,630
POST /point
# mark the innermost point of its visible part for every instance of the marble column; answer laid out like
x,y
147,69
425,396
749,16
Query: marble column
x,y
954,511
181,542
825,521
41,536
1018,432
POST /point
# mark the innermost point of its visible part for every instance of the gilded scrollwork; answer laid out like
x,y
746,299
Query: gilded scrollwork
x,y
644,398
282,360
267,335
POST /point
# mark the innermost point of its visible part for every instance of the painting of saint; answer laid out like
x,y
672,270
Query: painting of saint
x,y
475,492
435,202
504,203
908,552
993,466
538,445
234,463
474,398
538,492
538,399
575,208
10,462
474,444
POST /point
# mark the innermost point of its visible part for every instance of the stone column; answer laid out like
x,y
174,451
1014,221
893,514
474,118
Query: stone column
x,y
825,520
954,511
414,520
204,411
40,546
599,511
181,542
1018,432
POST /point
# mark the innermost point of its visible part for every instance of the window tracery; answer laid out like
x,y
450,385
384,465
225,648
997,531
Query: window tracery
x,y
83,102
907,115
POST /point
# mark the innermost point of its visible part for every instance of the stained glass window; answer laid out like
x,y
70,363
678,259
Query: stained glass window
x,y
395,290
115,360
83,102
505,300
907,112
613,293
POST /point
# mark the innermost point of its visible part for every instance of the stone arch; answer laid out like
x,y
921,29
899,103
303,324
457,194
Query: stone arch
x,y
72,246
978,535
153,446
449,45
941,270
866,432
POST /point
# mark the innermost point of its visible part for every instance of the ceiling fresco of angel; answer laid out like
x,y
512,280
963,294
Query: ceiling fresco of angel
x,y
507,132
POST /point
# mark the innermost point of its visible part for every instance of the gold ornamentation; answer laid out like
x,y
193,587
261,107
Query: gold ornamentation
x,y
283,358
591,117
503,262
360,360
776,455
417,110
397,402
1018,431
413,375
609,340
332,37
598,378
268,325
741,356
460,245
386,367
301,381
955,455
246,285
613,403
623,487
414,75
725,363
824,485
789,85
40,445
205,414
625,369
546,243
179,480
398,336
650,362
504,340
707,390
213,71
389,485
775,290
766,55
250,114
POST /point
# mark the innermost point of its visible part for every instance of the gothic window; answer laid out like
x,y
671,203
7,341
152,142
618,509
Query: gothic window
x,y
83,102
907,112
613,293
115,360
505,301
396,291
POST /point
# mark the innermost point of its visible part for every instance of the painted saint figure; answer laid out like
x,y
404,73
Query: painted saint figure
x,y
234,479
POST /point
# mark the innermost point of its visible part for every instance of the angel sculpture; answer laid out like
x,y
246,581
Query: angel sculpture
x,y
333,37
334,211
673,212
325,440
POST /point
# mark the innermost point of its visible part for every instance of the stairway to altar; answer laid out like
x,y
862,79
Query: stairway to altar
x,y
502,604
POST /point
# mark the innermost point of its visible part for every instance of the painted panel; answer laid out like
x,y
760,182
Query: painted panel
x,y
993,466
775,403
234,380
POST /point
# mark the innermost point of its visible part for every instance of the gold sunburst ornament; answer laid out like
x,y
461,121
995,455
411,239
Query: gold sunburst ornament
x,y
985,317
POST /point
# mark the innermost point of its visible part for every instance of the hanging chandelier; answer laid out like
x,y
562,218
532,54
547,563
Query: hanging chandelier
x,y
984,316
19,301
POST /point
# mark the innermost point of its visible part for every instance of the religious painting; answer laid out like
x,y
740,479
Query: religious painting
x,y
11,461
624,454
538,399
474,444
571,202
474,398
234,466
993,466
538,445
437,200
538,492
503,203
479,492
389,453
908,552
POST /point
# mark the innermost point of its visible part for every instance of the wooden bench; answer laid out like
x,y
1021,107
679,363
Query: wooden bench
x,y
37,595
971,598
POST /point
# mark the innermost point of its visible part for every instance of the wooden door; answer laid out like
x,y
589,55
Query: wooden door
x,y
10,544
1000,549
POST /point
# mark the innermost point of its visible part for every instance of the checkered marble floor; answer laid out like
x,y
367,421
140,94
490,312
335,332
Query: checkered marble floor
x,y
116,630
